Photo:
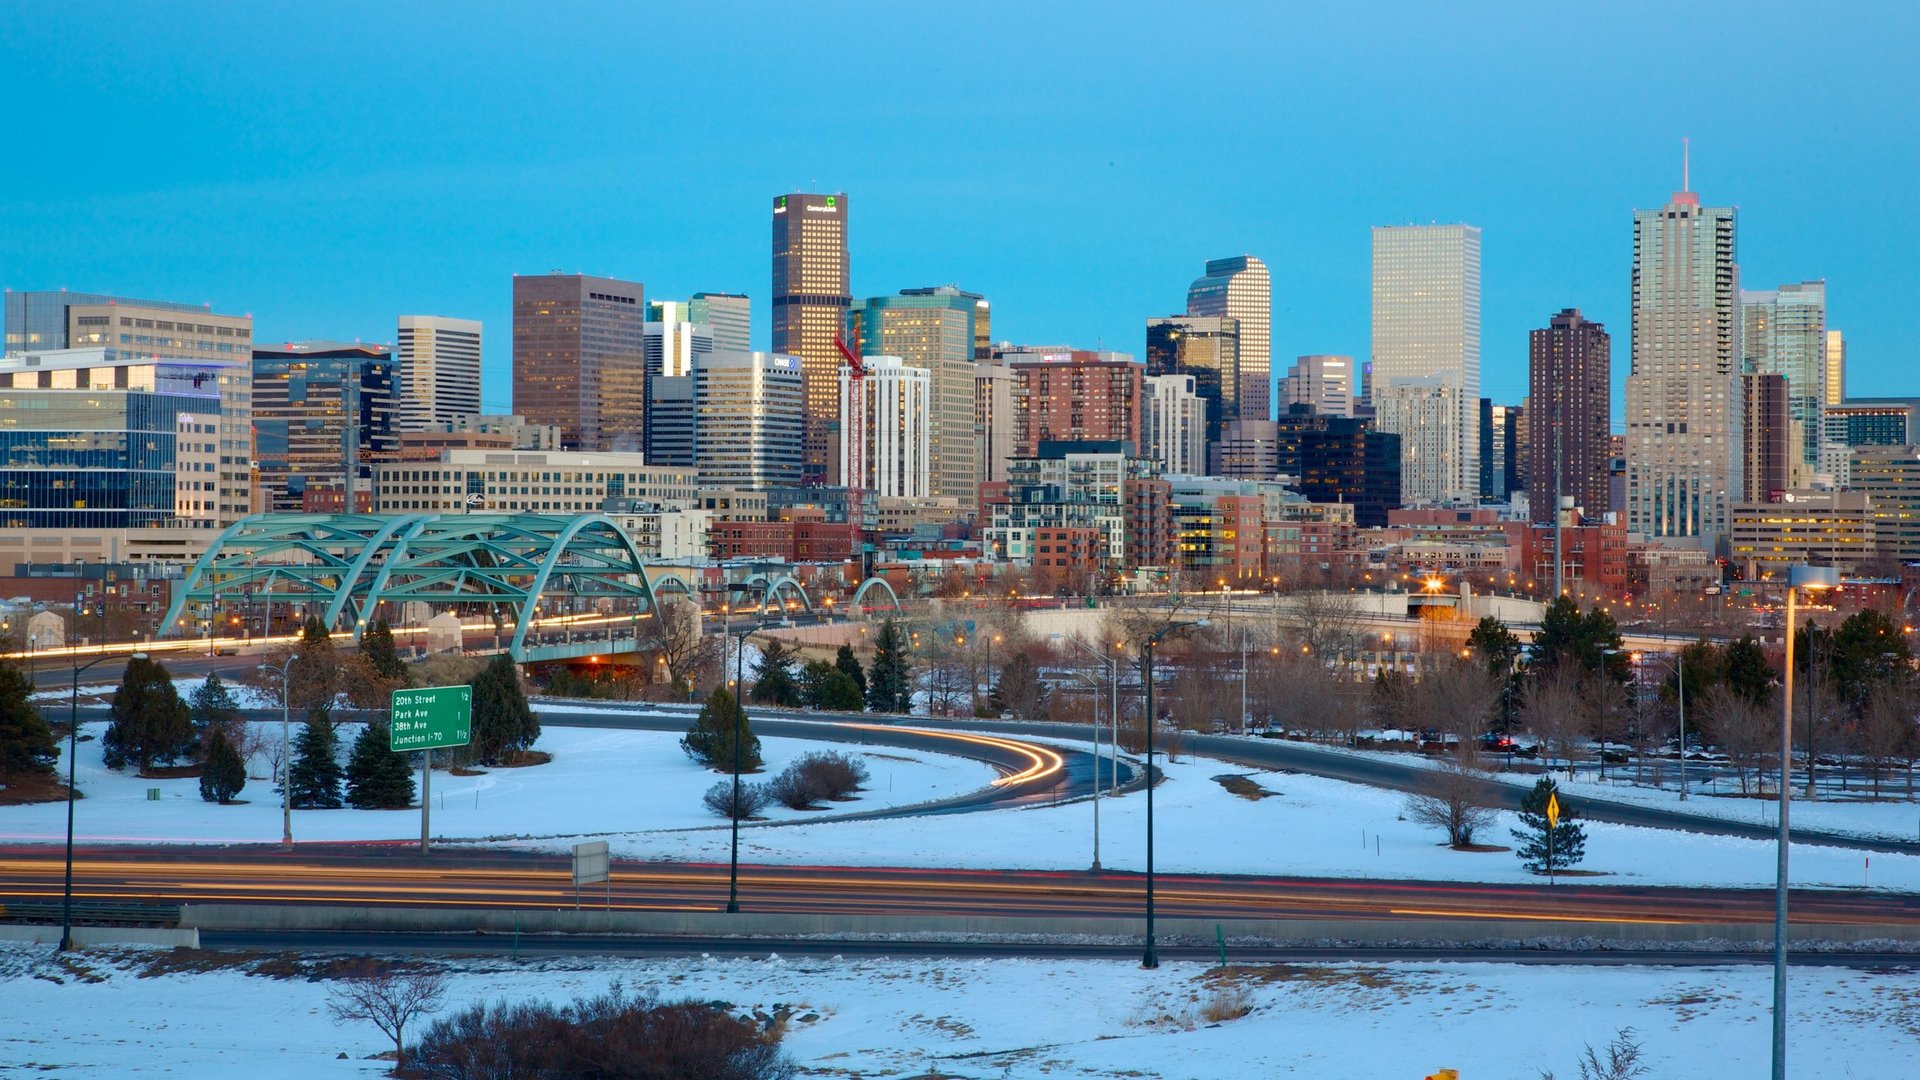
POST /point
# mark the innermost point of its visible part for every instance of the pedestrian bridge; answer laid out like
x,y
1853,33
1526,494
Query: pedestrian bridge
x,y
536,586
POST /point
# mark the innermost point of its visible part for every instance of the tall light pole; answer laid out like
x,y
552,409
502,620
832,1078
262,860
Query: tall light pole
x,y
286,755
1798,577
1152,957
1113,701
73,756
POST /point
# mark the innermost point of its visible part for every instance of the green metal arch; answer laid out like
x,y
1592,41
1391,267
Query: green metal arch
x,y
413,523
558,549
372,602
861,592
771,585
200,567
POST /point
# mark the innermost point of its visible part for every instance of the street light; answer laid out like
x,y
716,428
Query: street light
x,y
1113,700
1812,578
73,755
286,755
1680,677
1152,957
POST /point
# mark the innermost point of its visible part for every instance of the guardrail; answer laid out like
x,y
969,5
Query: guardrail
x,y
91,913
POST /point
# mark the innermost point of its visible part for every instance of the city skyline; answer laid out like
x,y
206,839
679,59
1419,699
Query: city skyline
x,y
453,219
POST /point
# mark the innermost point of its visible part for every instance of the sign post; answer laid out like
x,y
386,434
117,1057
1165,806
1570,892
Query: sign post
x,y
590,865
1553,822
425,719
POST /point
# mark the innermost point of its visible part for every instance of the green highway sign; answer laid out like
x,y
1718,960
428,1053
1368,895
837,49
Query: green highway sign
x,y
431,717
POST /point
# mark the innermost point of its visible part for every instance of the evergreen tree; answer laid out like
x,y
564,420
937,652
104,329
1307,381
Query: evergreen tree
x,y
26,742
1591,639
773,677
212,706
890,682
1569,837
502,719
223,774
1495,646
1019,690
813,681
1748,673
838,693
149,721
376,644
313,778
849,663
377,778
711,739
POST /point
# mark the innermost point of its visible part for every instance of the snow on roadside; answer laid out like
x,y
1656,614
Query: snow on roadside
x,y
600,780
1000,1017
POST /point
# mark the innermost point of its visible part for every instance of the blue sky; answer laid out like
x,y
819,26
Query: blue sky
x,y
328,167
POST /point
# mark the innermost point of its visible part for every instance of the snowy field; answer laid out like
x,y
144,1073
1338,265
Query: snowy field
x,y
92,694
1309,826
598,781
978,1018
1892,818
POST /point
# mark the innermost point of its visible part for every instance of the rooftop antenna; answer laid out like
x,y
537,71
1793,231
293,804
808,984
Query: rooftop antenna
x,y
1684,155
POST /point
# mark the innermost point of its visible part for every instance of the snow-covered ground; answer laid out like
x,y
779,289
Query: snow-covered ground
x,y
598,781
985,1018
1892,818
96,694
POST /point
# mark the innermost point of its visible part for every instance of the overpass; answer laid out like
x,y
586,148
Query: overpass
x,y
535,586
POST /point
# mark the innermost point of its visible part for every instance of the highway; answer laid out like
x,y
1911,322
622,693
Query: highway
x,y
395,873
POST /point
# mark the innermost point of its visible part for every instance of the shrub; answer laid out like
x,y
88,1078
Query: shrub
x,y
792,789
753,799
613,1036
832,774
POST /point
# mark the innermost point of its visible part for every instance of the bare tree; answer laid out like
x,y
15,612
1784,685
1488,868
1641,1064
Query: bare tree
x,y
674,635
1328,624
1604,705
389,999
1553,711
1453,798
1455,697
1745,730
1887,726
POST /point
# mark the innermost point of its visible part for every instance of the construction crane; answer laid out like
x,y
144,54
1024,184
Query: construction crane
x,y
853,469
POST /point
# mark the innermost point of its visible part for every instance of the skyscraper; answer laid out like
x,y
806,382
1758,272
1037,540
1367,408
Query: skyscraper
x,y
995,420
747,419
1426,346
898,444
1324,382
1207,348
811,296
1784,333
1768,449
730,315
1684,439
1173,425
1240,288
439,370
1836,379
579,358
324,413
1570,415
936,330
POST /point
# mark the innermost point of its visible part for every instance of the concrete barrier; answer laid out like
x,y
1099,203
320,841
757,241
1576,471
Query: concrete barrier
x,y
714,924
87,936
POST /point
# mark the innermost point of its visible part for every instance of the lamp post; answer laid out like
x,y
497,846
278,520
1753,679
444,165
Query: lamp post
x,y
1113,702
1152,957
73,754
1798,577
286,754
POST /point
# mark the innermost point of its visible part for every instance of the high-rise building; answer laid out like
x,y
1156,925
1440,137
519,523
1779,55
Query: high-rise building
x,y
1500,450
1684,443
579,358
1836,378
672,340
1074,395
43,321
1768,453
1249,450
1784,333
1426,347
898,446
324,413
1207,348
1569,416
1173,425
1322,381
1346,461
936,330
1241,289
729,314
982,316
439,370
100,438
996,419
1874,421
749,411
1890,476
812,292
